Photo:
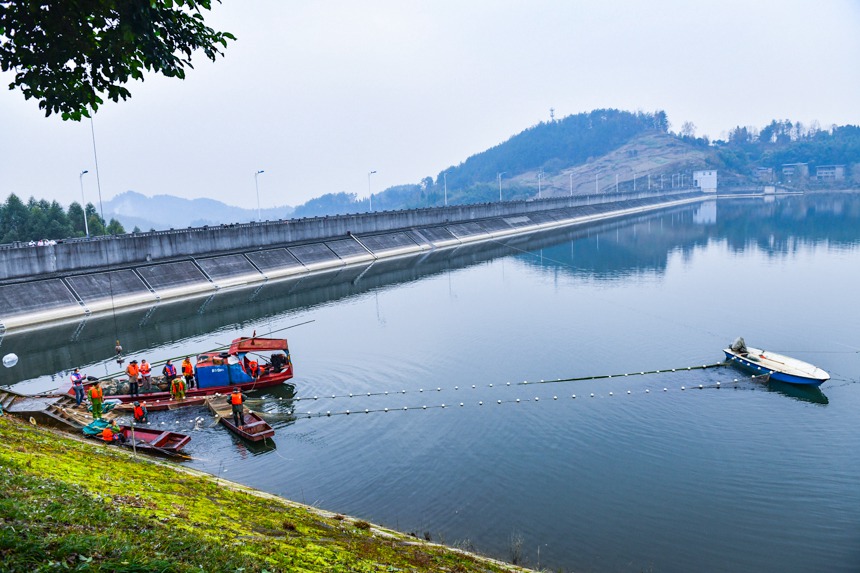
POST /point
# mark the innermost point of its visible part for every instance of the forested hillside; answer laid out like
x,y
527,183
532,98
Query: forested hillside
x,y
39,220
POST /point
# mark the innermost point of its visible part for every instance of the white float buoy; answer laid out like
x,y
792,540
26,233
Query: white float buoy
x,y
498,401
718,384
592,394
473,385
386,409
347,412
491,385
480,403
438,389
628,391
683,388
610,393
10,360
647,391
508,384
424,407
700,386
555,397
405,408
461,404
573,396
537,399
518,400
665,390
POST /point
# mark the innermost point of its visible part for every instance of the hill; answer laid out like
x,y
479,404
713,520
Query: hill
x,y
162,212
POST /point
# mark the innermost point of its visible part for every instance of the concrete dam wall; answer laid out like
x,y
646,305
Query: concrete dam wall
x,y
40,285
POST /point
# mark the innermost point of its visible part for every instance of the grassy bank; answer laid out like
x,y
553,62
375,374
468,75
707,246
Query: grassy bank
x,y
85,506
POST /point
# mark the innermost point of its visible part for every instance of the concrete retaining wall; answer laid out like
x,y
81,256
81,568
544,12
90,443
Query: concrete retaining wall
x,y
188,269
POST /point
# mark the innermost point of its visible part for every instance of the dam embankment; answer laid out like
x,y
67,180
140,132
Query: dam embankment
x,y
74,279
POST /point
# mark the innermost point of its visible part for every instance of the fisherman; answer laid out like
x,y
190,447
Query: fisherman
x,y
140,413
169,372
177,388
254,367
188,372
97,396
113,433
235,399
78,386
133,372
146,375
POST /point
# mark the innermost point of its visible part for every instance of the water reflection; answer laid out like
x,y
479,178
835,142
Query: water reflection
x,y
811,394
602,251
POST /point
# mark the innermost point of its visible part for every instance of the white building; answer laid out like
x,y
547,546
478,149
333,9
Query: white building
x,y
705,180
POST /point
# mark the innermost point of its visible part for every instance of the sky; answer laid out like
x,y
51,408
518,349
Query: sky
x,y
318,94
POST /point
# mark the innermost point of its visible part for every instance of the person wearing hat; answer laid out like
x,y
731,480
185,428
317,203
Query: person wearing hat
x,y
236,399
140,412
78,386
133,372
177,388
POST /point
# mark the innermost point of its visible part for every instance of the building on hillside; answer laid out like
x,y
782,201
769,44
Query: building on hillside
x,y
764,174
795,171
830,172
705,180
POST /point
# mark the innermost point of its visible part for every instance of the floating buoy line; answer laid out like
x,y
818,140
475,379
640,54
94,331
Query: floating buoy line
x,y
535,399
523,383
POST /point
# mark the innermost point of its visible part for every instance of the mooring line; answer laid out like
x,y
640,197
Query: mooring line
x,y
523,383
481,403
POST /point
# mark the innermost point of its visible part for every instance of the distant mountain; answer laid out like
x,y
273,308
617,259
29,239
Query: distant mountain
x,y
162,212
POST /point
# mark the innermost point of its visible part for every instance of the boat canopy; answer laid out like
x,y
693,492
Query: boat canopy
x,y
257,344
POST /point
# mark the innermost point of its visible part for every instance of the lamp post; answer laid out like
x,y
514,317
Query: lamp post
x,y
499,177
570,177
84,203
445,179
369,192
540,177
257,187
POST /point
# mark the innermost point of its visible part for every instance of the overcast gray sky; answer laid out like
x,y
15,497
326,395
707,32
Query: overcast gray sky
x,y
319,93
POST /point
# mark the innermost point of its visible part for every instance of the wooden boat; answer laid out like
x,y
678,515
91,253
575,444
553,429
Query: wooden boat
x,y
255,429
776,366
216,372
145,439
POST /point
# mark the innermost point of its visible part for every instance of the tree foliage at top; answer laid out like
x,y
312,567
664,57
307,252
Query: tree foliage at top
x,y
67,54
555,145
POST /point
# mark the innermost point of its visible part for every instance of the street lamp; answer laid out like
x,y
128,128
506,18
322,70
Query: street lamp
x,y
540,176
369,192
445,179
257,187
83,202
499,177
570,178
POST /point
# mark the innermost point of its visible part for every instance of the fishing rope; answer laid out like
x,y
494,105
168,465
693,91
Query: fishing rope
x,y
499,402
523,383
118,347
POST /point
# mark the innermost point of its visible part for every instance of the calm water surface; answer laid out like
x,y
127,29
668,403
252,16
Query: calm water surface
x,y
746,477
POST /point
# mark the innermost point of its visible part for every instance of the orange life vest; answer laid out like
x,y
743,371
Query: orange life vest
x,y
132,370
187,369
177,385
138,413
236,398
96,393
144,368
253,366
107,434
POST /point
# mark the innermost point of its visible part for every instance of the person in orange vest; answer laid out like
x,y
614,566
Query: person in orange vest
x,y
97,396
169,371
146,375
113,433
188,372
140,413
133,372
254,367
177,388
236,399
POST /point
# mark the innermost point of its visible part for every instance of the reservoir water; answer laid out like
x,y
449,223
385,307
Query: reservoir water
x,y
634,473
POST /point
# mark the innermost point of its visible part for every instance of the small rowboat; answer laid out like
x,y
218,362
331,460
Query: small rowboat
x,y
145,439
776,366
255,429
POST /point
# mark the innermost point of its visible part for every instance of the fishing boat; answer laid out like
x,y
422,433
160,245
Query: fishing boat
x,y
775,366
248,363
255,429
143,439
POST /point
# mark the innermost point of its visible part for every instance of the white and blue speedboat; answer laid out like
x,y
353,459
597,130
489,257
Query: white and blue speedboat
x,y
776,366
